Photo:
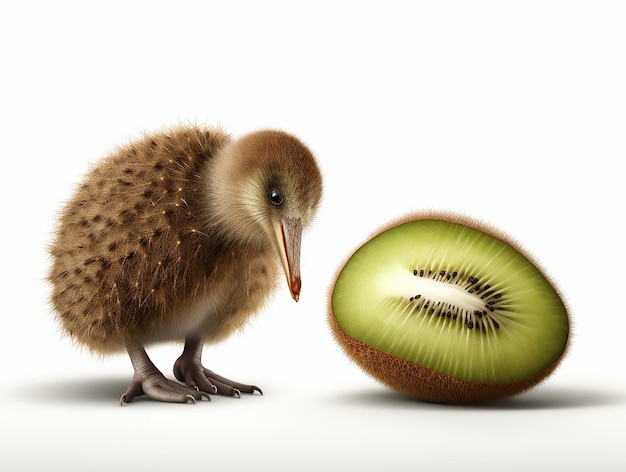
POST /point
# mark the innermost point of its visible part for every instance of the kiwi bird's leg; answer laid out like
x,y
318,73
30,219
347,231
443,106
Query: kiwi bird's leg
x,y
148,380
188,368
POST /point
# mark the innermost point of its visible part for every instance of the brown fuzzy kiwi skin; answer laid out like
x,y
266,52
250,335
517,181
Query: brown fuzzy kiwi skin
x,y
420,382
426,384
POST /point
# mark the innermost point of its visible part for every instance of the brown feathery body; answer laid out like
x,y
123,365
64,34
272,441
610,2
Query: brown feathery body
x,y
134,260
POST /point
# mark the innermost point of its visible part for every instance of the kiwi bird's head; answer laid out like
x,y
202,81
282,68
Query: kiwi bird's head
x,y
266,186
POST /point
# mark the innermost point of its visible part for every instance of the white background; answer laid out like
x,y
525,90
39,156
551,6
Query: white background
x,y
511,112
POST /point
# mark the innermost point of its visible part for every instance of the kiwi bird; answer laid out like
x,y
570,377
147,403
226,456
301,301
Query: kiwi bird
x,y
181,236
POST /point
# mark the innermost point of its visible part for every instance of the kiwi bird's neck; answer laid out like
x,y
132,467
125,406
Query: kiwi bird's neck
x,y
228,210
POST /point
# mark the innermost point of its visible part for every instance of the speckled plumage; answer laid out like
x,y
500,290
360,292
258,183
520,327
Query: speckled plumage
x,y
171,237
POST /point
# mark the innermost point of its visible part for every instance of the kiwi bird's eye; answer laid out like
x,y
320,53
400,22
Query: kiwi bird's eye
x,y
276,197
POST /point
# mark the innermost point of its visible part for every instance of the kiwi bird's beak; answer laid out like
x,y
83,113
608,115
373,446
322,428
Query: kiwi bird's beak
x,y
288,238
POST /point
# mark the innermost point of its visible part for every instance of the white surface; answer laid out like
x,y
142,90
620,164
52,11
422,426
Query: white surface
x,y
512,114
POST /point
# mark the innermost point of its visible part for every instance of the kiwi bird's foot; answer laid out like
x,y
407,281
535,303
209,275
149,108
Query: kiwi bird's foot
x,y
157,387
190,371
148,380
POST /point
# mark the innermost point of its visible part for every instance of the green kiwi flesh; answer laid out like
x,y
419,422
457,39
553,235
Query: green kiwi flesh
x,y
446,310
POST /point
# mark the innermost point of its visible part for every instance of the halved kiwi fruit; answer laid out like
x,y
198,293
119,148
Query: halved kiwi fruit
x,y
447,310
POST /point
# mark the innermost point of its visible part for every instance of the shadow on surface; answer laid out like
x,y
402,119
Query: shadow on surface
x,y
539,399
108,390
87,390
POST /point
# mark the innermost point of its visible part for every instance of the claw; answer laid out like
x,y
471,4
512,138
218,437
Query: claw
x,y
205,394
193,400
122,399
189,369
